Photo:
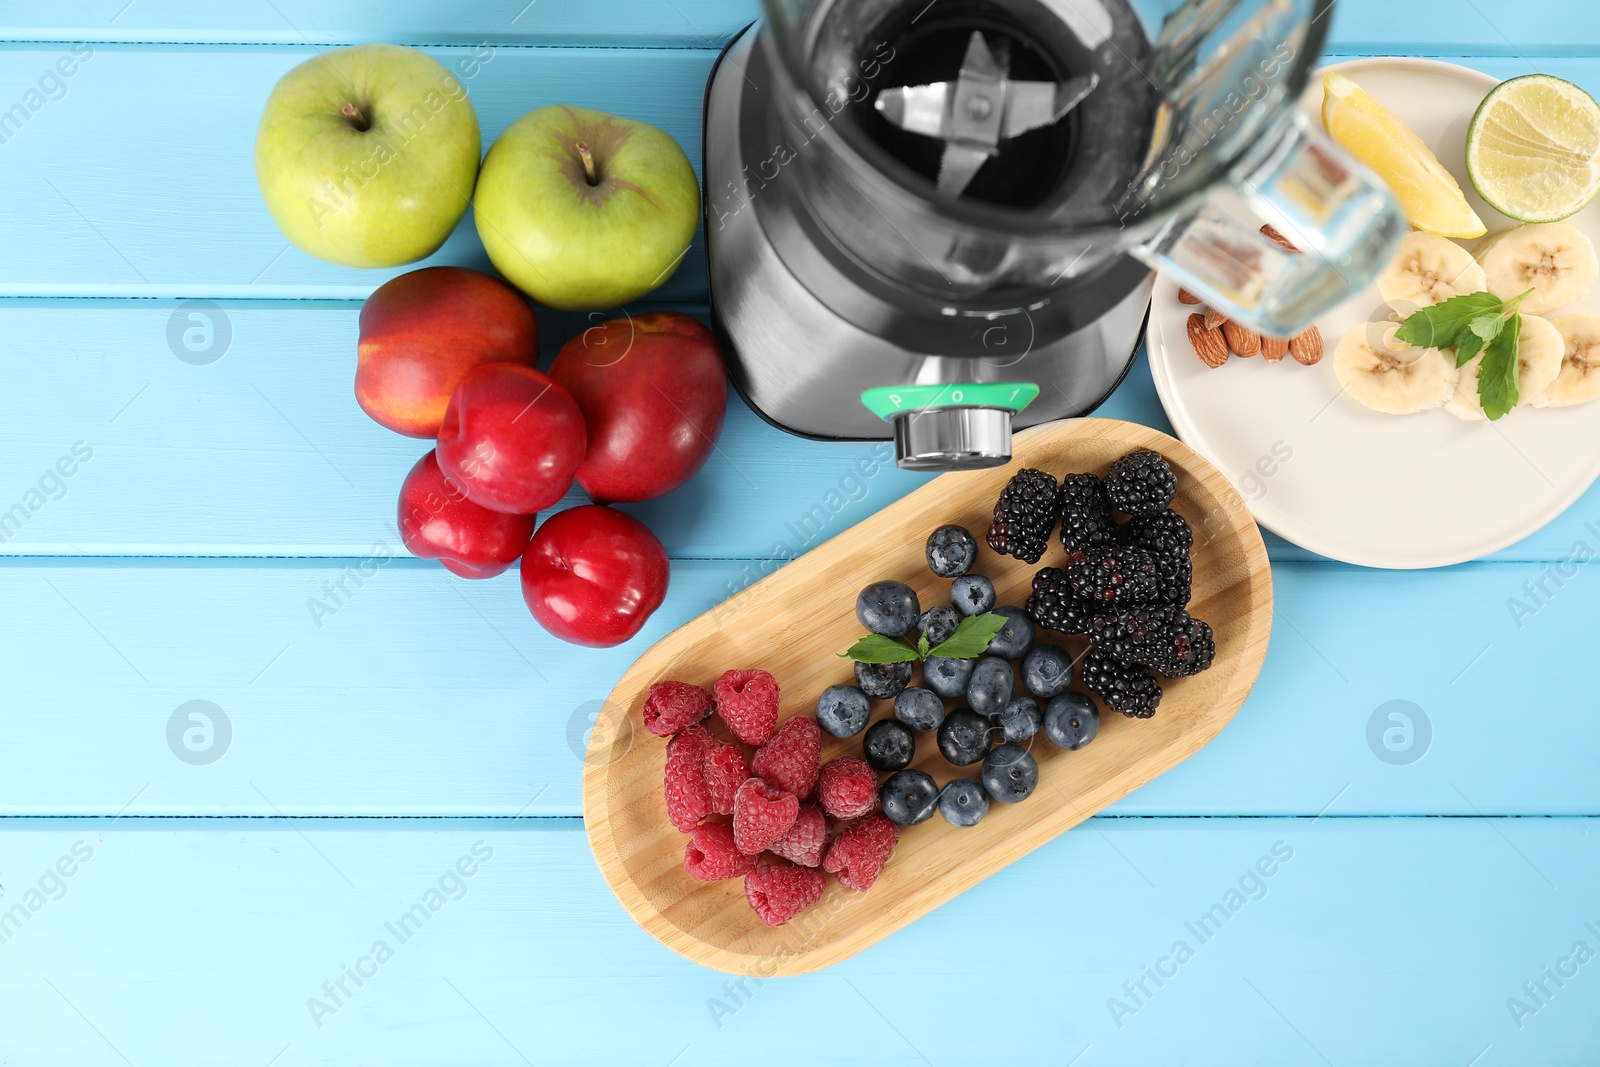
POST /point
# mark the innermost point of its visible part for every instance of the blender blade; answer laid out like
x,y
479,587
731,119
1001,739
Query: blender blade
x,y
978,110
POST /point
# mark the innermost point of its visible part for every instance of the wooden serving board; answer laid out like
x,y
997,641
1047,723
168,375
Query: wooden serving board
x,y
793,624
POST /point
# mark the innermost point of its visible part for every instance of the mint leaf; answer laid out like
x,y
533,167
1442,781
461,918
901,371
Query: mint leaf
x,y
1470,346
1497,374
922,644
875,648
1443,324
1486,327
972,637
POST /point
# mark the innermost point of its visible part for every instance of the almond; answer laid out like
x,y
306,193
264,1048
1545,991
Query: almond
x,y
1208,342
1214,319
1306,346
1242,339
1273,349
1272,234
1186,297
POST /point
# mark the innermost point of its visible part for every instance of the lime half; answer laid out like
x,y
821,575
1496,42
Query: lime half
x,y
1533,149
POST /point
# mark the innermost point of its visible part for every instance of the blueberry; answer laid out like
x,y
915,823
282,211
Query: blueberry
x,y
889,745
888,608
1015,636
1019,719
938,623
946,676
963,802
1010,774
842,710
951,551
1047,671
972,594
883,680
990,685
1071,721
909,797
920,709
964,737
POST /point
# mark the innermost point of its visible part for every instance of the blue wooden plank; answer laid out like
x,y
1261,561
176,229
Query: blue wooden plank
x,y
115,190
1483,28
127,181
419,693
264,452
1369,942
696,23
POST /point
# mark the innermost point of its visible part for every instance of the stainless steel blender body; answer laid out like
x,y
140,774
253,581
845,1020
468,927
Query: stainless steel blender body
x,y
859,298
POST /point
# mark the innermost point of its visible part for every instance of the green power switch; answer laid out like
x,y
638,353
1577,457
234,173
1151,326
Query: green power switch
x,y
886,401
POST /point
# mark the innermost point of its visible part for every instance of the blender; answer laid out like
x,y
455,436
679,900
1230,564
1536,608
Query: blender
x,y
938,221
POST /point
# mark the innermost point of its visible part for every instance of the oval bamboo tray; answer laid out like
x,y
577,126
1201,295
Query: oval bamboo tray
x,y
795,621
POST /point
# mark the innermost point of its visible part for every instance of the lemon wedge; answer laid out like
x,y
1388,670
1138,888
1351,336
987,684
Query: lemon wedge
x,y
1533,149
1432,199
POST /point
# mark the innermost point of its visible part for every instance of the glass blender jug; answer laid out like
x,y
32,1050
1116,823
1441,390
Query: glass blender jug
x,y
927,197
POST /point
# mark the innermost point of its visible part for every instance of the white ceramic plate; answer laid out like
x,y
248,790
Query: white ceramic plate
x,y
1317,468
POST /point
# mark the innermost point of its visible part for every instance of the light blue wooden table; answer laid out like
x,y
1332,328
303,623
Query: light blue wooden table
x,y
158,911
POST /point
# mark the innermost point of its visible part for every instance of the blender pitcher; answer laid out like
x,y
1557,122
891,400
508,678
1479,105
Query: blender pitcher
x,y
937,220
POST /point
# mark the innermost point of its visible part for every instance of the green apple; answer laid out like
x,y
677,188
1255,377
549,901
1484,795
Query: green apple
x,y
583,210
366,156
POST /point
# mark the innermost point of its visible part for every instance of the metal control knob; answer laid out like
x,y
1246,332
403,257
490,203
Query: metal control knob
x,y
952,438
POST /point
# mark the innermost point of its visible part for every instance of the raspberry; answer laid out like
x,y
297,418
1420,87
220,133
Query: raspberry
x,y
857,856
685,780
1024,515
762,815
780,891
712,856
674,706
748,703
803,843
847,787
791,759
725,768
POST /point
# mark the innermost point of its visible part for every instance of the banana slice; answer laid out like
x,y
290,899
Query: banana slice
x,y
1428,270
1539,359
1556,261
1579,380
1388,375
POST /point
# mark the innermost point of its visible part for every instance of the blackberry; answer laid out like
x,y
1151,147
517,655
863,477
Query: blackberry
x,y
1174,580
1161,531
1125,687
1024,515
1054,606
1117,576
1162,637
1086,520
1167,536
1188,648
1141,483
1131,636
